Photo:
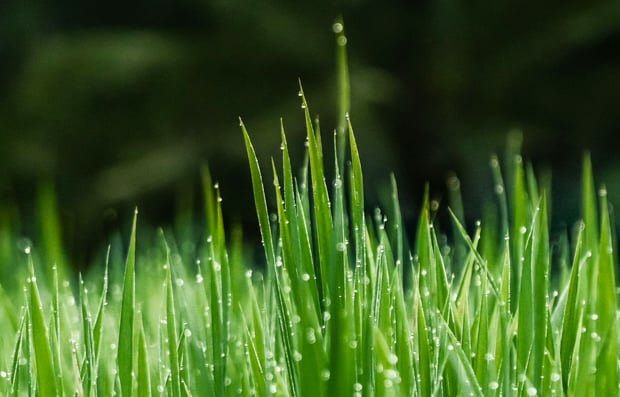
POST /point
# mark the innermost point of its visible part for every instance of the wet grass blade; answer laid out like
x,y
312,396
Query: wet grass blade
x,y
126,326
47,381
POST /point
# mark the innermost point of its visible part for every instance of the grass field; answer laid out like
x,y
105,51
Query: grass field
x,y
343,305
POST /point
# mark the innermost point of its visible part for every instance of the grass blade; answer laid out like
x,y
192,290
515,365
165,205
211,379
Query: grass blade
x,y
126,327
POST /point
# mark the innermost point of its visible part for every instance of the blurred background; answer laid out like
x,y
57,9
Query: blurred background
x,y
118,103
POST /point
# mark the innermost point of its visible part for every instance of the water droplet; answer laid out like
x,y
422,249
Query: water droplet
x,y
493,385
310,336
187,332
594,317
392,358
337,27
305,277
297,356
3,374
325,374
199,278
179,282
342,41
531,391
27,250
273,388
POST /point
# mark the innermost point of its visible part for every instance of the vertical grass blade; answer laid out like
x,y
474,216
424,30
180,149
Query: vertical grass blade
x,y
126,327
47,381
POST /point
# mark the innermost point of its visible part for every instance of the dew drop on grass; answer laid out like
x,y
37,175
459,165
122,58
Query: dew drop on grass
x,y
325,374
297,356
179,282
342,41
337,27
392,358
311,336
199,278
555,377
305,277
531,391
3,374
493,385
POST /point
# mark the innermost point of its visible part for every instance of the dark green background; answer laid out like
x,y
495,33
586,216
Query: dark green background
x,y
119,102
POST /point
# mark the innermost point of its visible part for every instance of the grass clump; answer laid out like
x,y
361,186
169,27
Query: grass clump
x,y
342,308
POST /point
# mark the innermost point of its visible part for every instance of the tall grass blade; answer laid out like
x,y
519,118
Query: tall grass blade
x,y
126,327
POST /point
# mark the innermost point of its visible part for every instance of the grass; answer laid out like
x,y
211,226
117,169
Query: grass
x,y
343,305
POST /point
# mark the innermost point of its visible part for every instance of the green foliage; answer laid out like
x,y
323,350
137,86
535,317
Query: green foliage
x,y
341,307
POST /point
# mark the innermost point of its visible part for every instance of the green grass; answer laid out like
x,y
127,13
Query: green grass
x,y
341,307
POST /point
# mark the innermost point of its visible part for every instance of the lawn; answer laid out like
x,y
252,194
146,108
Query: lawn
x,y
341,306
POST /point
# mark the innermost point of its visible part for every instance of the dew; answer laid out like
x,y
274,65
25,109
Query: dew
x,y
160,388
493,385
340,247
522,229
392,358
555,377
494,162
27,250
531,391
216,185
311,336
199,278
303,105
450,347
273,388
113,346
353,344
209,239
325,374
489,356
217,266
595,337
326,316
3,374
305,277
342,41
594,317
337,27
179,282
300,93
499,189
297,356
